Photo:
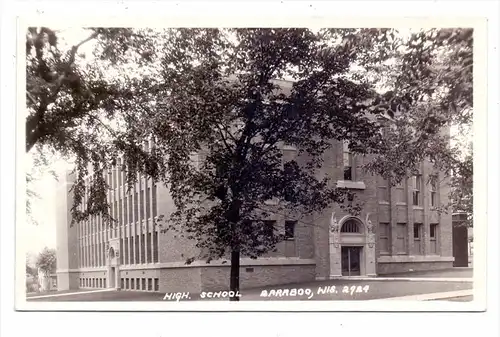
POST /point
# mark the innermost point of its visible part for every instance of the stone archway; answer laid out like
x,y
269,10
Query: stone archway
x,y
113,254
352,247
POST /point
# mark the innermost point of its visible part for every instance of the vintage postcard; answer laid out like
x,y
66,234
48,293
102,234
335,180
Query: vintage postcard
x,y
251,164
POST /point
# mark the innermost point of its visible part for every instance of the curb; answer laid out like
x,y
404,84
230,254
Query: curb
x,y
68,294
430,297
411,279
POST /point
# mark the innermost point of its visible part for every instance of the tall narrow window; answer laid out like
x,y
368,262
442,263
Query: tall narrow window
x,y
120,212
149,248
417,239
288,171
401,234
269,226
384,238
383,190
433,190
126,251
157,284
130,209
401,192
120,173
290,230
132,283
434,237
136,207
155,246
131,243
125,213
154,200
143,255
121,251
148,203
141,205
98,253
417,188
115,175
116,218
137,261
112,209
348,162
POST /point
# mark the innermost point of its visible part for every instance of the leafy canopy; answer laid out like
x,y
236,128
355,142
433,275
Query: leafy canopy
x,y
214,92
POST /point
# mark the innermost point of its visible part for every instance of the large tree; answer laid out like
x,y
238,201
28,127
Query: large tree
x,y
213,92
220,123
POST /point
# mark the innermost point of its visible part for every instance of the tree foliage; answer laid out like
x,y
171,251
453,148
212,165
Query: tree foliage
x,y
74,105
46,261
218,115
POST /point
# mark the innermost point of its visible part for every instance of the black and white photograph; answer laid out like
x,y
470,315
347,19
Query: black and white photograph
x,y
177,167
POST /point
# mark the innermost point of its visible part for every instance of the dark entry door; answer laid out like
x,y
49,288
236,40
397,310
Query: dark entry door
x,y
351,261
460,246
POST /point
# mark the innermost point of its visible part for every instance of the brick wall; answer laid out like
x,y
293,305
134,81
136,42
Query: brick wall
x,y
180,280
393,211
394,268
172,246
217,278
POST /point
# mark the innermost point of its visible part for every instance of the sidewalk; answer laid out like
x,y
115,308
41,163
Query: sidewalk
x,y
336,290
446,273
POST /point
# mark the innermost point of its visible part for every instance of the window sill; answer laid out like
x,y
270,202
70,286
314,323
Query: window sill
x,y
418,207
289,147
383,203
353,185
399,203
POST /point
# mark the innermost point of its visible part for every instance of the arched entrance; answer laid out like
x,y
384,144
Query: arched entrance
x,y
113,258
352,247
112,276
352,242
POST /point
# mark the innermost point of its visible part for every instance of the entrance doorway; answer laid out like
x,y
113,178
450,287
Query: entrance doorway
x,y
112,282
351,260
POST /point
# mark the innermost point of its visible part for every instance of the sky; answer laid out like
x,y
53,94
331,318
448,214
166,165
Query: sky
x,y
43,234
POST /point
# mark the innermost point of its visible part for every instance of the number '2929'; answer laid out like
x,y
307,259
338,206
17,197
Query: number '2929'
x,y
355,289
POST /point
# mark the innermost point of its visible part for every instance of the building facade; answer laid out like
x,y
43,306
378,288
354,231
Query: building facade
x,y
398,230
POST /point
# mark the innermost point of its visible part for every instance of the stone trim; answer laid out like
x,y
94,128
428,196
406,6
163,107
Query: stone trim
x,y
245,262
353,185
410,259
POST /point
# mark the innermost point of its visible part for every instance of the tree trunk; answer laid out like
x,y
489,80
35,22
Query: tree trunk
x,y
234,281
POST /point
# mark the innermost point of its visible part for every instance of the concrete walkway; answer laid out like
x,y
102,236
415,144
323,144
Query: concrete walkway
x,y
69,293
408,286
432,296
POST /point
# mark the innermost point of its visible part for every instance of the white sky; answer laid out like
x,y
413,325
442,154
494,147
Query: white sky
x,y
43,208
